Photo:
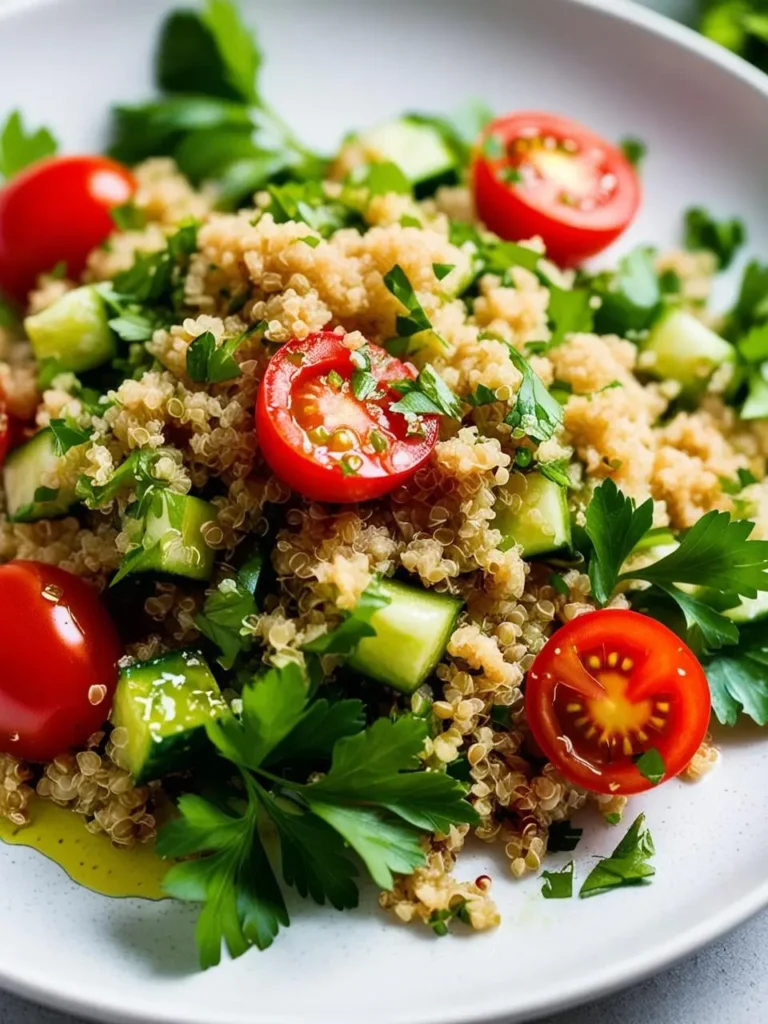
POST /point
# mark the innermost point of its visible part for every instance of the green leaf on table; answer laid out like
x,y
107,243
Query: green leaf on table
x,y
628,864
558,885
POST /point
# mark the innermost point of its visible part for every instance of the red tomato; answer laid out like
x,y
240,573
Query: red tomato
x,y
57,210
58,661
5,427
609,686
539,174
323,441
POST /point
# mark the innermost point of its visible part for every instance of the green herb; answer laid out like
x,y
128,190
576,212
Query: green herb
x,y
19,148
557,471
716,553
500,715
569,312
751,307
134,472
335,380
459,130
558,885
311,241
428,395
615,526
563,837
307,202
612,818
535,414
630,297
740,25
523,458
228,606
635,150
557,582
364,385
66,436
439,920
210,363
381,179
651,765
416,320
409,221
738,678
356,625
370,802
627,865
128,217
350,465
442,270
156,279
723,238
46,494
482,395
511,175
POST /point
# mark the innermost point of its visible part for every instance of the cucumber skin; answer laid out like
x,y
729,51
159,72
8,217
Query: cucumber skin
x,y
398,141
29,510
74,331
378,657
152,757
176,545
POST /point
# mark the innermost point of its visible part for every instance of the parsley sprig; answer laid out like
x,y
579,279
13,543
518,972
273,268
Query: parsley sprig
x,y
716,553
19,148
371,804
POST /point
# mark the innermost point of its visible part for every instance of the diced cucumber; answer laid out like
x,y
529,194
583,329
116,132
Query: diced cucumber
x,y
163,705
685,350
412,632
172,540
541,525
26,499
417,149
74,331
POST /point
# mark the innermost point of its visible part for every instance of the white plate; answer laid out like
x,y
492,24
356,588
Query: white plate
x,y
332,65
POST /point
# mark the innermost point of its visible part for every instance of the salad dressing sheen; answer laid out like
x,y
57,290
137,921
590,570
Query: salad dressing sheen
x,y
90,860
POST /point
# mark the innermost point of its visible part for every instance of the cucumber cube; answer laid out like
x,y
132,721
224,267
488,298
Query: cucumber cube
x,y
74,331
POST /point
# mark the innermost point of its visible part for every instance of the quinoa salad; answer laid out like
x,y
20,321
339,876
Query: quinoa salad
x,y
348,516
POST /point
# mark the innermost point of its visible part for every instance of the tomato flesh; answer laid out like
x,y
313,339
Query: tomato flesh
x,y
58,661
539,174
610,686
54,212
325,442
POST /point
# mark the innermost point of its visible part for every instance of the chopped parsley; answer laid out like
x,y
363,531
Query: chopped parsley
x,y
569,312
416,320
482,395
66,436
651,765
558,885
738,677
635,150
19,148
428,395
442,270
630,297
723,238
355,626
127,217
535,414
209,363
228,606
627,865
369,803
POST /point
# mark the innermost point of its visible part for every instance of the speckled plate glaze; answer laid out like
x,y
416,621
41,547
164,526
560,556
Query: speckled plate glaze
x,y
333,64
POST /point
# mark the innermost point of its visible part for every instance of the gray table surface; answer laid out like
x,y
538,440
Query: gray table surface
x,y
725,982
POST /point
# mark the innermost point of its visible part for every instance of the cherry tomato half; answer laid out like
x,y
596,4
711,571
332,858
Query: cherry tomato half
x,y
323,441
539,174
609,686
58,661
57,211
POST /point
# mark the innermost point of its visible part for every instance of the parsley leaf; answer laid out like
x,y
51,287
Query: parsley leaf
x,y
428,395
210,363
635,150
66,437
563,836
228,606
738,678
442,270
716,552
243,905
614,525
751,306
320,727
19,148
236,45
651,765
135,471
307,202
396,281
569,312
535,414
627,865
724,238
630,297
355,627
482,395
558,885
157,279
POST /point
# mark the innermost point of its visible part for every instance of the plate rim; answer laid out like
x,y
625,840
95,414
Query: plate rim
x,y
597,984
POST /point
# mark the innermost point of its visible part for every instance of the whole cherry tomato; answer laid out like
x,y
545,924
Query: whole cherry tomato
x,y
55,212
58,661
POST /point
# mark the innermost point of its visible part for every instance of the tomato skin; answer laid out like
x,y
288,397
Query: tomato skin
x,y
664,673
5,428
306,466
57,210
519,210
56,643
